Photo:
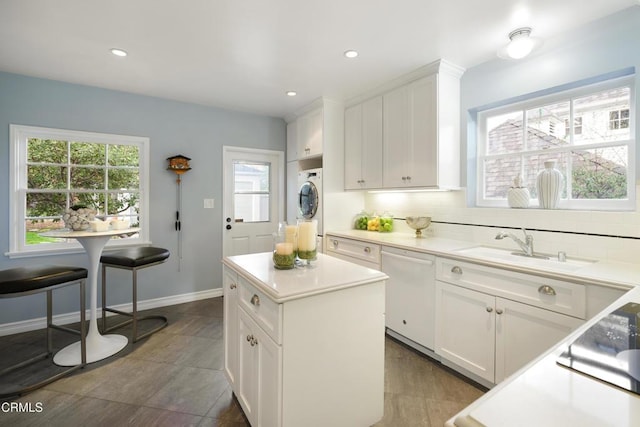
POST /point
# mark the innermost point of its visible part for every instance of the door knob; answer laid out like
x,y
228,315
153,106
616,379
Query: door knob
x,y
228,227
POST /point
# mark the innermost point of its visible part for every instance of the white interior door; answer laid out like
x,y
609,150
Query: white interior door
x,y
253,183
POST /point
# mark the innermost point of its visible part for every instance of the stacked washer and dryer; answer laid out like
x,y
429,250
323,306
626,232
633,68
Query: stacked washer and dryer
x,y
310,197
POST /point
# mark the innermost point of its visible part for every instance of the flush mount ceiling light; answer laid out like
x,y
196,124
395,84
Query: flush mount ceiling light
x,y
118,52
520,45
350,53
291,93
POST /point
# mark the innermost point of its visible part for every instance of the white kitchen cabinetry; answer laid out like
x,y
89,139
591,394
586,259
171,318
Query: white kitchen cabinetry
x,y
491,322
259,383
410,297
363,145
309,134
421,135
356,251
230,307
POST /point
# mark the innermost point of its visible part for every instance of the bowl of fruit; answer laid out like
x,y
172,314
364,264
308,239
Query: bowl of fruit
x,y
418,223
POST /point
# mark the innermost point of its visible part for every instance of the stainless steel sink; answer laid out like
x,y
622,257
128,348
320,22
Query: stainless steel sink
x,y
539,261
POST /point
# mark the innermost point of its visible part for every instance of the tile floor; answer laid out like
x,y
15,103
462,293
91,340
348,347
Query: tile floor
x,y
175,378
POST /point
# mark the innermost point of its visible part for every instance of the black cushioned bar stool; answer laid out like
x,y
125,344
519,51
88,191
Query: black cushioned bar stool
x,y
22,281
132,259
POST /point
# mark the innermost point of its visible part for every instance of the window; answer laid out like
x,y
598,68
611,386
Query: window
x,y
251,191
588,131
54,169
619,119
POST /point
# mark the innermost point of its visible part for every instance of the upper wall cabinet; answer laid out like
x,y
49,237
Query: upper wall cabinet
x,y
363,145
309,134
420,131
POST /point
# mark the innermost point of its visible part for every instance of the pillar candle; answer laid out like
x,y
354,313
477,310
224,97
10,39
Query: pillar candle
x,y
284,248
307,236
290,235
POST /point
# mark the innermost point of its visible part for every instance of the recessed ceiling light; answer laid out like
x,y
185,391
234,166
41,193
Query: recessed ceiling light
x,y
291,93
350,53
118,52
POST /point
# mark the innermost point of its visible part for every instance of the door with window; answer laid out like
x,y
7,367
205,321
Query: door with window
x,y
253,185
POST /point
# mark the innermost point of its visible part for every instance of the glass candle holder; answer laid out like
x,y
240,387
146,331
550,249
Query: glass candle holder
x,y
307,239
284,253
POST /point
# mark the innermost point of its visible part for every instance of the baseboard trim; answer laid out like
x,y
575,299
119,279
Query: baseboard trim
x,y
66,318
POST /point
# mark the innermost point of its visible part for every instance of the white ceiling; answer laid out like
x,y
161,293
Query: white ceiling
x,y
245,54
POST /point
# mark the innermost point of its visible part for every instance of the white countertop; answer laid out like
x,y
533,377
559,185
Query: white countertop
x,y
541,393
324,275
604,273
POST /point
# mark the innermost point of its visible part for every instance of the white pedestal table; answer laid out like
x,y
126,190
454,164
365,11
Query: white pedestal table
x,y
98,346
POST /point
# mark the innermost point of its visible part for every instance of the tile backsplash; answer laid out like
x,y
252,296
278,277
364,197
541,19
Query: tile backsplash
x,y
613,236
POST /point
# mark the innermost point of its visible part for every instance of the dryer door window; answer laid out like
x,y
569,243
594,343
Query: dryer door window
x,y
308,200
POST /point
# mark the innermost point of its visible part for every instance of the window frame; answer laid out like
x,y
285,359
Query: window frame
x,y
19,135
627,204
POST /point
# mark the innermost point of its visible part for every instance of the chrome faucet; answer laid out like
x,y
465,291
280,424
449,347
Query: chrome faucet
x,y
526,246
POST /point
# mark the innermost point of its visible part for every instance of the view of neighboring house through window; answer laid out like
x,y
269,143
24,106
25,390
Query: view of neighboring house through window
x,y
587,132
57,169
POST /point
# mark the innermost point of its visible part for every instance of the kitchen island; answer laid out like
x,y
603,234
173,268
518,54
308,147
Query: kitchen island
x,y
305,346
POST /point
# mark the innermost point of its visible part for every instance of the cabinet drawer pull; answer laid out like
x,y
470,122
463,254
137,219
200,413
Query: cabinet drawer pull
x,y
367,250
489,309
546,290
456,270
255,300
232,286
499,311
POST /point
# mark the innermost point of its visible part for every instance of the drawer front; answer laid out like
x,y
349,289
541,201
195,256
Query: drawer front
x,y
263,310
354,248
561,297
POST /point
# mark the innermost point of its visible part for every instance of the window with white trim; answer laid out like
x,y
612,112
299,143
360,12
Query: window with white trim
x,y
55,169
588,131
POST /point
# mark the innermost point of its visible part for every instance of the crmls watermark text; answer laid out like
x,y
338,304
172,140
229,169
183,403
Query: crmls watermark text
x,y
21,407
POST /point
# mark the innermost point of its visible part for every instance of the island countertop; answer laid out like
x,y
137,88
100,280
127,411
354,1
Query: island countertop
x,y
326,274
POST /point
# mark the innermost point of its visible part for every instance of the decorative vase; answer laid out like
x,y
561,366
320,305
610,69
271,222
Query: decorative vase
x,y
549,185
518,196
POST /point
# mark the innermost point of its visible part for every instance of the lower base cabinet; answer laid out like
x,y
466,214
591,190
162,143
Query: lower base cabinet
x,y
259,381
493,337
312,361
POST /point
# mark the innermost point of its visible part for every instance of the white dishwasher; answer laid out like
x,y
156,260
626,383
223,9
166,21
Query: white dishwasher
x,y
410,294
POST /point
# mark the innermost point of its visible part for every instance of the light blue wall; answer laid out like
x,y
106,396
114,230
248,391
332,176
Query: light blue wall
x,y
605,46
174,128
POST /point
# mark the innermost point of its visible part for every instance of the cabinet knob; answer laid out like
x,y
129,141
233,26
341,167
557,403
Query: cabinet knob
x,y
456,270
254,341
404,178
499,311
335,243
546,290
408,178
489,309
232,286
249,338
255,300
367,250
